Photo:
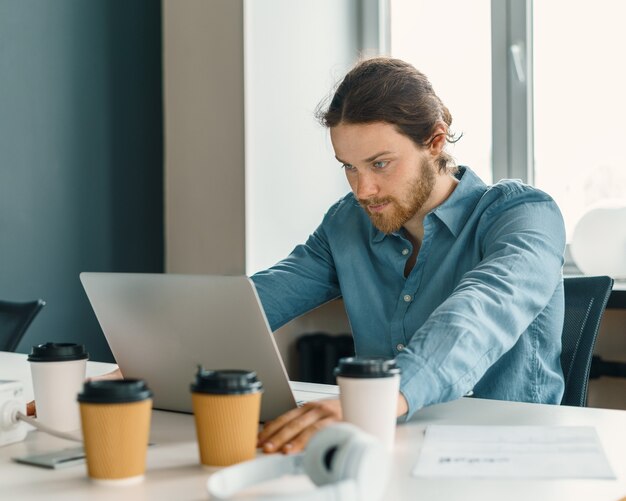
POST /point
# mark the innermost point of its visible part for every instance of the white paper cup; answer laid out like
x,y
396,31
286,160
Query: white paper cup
x,y
58,373
368,391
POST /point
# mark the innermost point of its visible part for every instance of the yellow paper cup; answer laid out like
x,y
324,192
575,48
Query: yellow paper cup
x,y
226,408
115,416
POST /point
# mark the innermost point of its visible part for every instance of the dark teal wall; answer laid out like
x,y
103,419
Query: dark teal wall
x,y
81,154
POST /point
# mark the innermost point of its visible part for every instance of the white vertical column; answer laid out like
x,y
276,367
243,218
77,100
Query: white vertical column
x,y
295,52
204,136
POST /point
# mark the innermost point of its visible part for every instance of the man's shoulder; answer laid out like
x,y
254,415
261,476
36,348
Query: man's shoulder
x,y
346,206
346,218
514,191
511,198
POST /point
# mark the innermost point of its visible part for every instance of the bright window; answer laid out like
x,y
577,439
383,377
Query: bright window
x,y
579,104
574,109
450,42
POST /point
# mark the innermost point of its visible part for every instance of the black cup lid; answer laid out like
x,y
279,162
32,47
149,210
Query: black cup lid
x,y
114,391
363,367
226,382
57,352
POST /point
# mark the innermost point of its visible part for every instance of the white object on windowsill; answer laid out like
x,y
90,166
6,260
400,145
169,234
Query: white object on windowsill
x,y
598,245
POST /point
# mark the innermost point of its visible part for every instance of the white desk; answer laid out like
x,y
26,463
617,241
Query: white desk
x,y
173,471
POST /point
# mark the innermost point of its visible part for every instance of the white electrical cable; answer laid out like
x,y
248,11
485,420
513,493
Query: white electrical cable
x,y
46,429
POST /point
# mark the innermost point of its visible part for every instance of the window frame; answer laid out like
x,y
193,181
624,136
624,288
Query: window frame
x,y
375,27
512,90
512,78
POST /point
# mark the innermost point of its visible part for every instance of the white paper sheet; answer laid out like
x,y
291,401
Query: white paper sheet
x,y
512,452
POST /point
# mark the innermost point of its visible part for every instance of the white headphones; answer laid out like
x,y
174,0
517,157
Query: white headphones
x,y
347,463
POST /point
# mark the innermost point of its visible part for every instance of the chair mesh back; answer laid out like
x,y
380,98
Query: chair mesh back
x,y
14,320
585,301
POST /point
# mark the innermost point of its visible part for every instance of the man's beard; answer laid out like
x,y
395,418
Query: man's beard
x,y
395,216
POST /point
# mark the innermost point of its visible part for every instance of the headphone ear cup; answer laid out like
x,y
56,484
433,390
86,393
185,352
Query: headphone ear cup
x,y
320,456
342,452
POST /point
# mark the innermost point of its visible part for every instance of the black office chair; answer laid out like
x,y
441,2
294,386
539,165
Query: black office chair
x,y
318,354
15,318
585,301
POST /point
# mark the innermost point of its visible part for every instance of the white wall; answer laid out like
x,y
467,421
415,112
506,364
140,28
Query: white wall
x,y
295,52
223,216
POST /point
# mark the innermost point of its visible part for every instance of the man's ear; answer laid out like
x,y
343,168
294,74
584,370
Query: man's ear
x,y
438,139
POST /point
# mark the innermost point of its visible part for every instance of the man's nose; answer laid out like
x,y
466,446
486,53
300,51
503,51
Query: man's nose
x,y
366,186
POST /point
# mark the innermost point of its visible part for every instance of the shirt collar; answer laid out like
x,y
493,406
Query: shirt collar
x,y
455,211
378,235
457,207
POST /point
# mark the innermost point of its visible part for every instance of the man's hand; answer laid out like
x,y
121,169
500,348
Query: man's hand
x,y
30,409
290,432
116,374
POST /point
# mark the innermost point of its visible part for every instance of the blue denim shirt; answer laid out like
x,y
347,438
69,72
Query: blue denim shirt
x,y
482,309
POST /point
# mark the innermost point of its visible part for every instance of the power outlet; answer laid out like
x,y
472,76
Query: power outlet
x,y
11,402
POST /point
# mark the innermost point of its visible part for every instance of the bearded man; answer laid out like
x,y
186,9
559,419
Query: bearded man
x,y
460,282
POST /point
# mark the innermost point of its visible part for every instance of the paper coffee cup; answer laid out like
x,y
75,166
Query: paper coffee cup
x,y
226,408
368,391
58,373
115,416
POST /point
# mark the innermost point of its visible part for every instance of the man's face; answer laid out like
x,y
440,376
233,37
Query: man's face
x,y
391,176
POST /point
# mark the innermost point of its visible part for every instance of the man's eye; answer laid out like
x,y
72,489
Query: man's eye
x,y
348,167
380,164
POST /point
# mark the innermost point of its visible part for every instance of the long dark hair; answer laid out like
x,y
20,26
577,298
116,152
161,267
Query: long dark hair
x,y
389,90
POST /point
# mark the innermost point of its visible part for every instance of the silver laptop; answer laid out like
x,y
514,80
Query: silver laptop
x,y
160,327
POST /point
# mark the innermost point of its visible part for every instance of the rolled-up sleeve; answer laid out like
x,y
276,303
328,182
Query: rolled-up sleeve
x,y
299,283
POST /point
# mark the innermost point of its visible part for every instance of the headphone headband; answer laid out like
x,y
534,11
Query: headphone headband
x,y
346,463
225,483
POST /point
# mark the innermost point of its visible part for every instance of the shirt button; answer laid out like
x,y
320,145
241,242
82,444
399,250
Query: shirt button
x,y
407,298
399,347
405,252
